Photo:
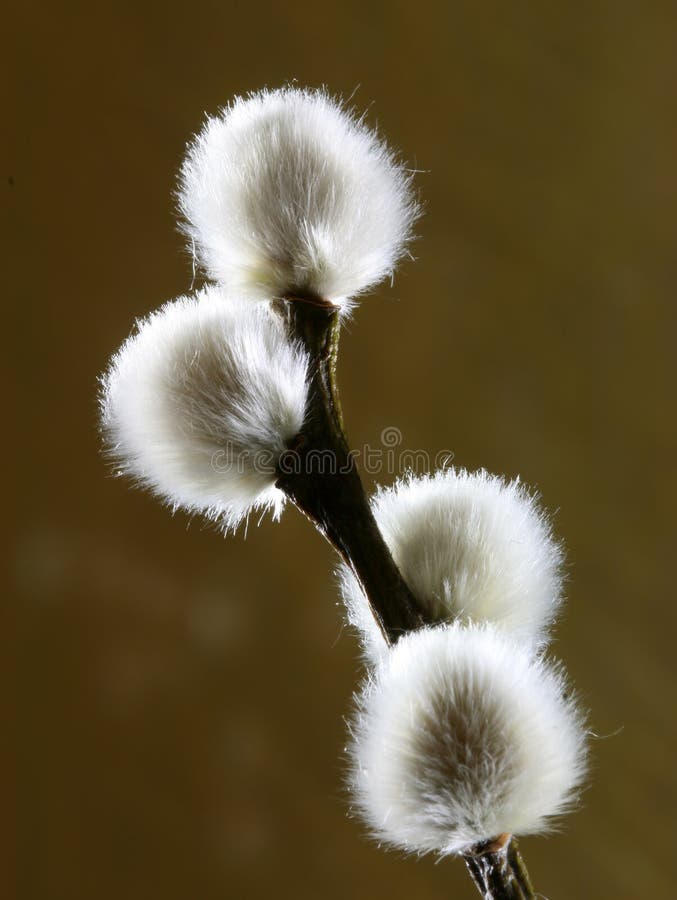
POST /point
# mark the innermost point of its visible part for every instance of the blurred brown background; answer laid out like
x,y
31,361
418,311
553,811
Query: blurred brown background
x,y
177,698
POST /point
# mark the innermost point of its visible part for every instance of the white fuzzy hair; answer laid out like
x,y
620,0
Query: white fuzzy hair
x,y
286,191
201,401
462,736
471,546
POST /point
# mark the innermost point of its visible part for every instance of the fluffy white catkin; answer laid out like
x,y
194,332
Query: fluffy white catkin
x,y
462,736
286,191
201,401
471,546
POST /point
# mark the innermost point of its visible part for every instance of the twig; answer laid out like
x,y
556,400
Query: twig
x,y
499,872
318,474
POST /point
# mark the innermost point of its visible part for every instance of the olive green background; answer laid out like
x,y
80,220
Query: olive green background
x,y
177,699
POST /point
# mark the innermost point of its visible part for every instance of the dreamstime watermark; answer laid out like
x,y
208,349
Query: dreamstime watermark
x,y
390,457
